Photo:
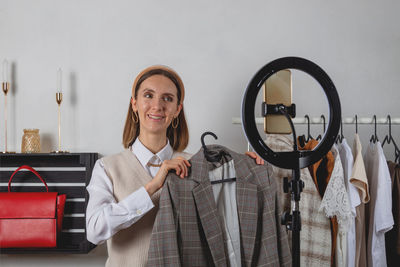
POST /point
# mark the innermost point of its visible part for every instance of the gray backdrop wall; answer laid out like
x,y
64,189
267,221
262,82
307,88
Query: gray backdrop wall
x,y
216,46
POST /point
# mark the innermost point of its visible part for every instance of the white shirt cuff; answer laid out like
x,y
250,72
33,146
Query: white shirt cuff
x,y
137,204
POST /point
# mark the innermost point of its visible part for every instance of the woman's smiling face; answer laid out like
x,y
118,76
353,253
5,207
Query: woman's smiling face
x,y
156,104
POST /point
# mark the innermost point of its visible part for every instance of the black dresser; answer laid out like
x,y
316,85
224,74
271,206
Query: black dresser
x,y
68,174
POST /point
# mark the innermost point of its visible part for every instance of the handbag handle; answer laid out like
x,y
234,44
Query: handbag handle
x,y
26,167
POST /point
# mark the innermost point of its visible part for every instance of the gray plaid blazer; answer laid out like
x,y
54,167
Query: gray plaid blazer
x,y
188,232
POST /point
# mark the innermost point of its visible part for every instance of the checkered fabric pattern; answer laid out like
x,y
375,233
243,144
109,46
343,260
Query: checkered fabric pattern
x,y
315,234
187,231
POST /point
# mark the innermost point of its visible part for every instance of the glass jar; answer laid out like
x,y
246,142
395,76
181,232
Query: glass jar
x,y
30,141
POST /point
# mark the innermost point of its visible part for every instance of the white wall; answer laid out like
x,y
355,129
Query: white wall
x,y
216,46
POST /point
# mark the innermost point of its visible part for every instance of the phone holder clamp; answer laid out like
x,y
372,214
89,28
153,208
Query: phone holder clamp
x,y
268,109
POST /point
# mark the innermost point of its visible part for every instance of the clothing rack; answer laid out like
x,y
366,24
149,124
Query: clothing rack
x,y
318,120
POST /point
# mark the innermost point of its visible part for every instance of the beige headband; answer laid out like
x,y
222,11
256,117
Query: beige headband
x,y
160,67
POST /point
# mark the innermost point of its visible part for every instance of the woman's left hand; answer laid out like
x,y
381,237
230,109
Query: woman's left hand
x,y
253,155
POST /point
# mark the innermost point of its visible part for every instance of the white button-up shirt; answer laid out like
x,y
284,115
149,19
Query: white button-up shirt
x,y
104,212
145,156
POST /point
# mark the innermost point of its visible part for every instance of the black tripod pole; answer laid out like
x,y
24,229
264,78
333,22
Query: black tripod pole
x,y
295,186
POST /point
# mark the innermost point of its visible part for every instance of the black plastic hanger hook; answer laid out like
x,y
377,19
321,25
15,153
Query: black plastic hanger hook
x,y
204,135
388,137
340,136
356,124
374,138
212,157
324,124
309,137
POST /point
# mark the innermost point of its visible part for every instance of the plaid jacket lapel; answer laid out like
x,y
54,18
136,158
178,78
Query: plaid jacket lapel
x,y
208,215
207,209
247,206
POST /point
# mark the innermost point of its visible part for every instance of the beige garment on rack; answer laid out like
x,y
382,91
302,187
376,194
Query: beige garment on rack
x,y
360,181
315,234
379,217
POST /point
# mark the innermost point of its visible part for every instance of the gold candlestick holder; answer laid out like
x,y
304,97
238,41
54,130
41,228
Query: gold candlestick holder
x,y
6,87
59,97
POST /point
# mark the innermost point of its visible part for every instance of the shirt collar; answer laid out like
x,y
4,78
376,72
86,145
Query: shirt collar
x,y
144,155
166,152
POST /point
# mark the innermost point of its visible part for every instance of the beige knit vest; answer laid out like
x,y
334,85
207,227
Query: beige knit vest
x,y
129,247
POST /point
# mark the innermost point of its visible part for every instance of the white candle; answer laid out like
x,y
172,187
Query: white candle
x,y
59,81
5,71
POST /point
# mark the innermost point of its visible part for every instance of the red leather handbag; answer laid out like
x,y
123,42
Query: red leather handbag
x,y
30,219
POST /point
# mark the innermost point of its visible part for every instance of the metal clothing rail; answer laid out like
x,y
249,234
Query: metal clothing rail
x,y
318,120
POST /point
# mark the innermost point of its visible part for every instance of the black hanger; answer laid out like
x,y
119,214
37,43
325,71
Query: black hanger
x,y
339,138
309,137
356,124
374,137
389,139
212,156
319,137
302,138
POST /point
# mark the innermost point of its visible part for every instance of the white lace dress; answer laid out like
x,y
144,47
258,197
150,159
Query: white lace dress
x,y
335,202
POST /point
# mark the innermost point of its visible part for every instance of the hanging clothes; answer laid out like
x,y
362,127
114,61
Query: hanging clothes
x,y
188,229
335,204
315,234
392,237
360,181
321,172
347,159
379,211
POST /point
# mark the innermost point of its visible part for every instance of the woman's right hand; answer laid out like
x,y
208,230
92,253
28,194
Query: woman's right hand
x,y
179,164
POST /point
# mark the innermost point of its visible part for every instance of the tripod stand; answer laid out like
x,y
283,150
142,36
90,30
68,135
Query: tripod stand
x,y
294,160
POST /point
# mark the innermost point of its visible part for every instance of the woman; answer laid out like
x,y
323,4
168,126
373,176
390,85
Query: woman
x,y
124,188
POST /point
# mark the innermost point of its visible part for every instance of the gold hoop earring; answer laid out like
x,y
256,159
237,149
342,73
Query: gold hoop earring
x,y
135,117
175,125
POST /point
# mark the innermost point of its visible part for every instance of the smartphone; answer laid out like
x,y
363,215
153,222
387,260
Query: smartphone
x,y
278,90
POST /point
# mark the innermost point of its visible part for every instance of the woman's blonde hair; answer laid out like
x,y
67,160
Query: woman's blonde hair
x,y
178,137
